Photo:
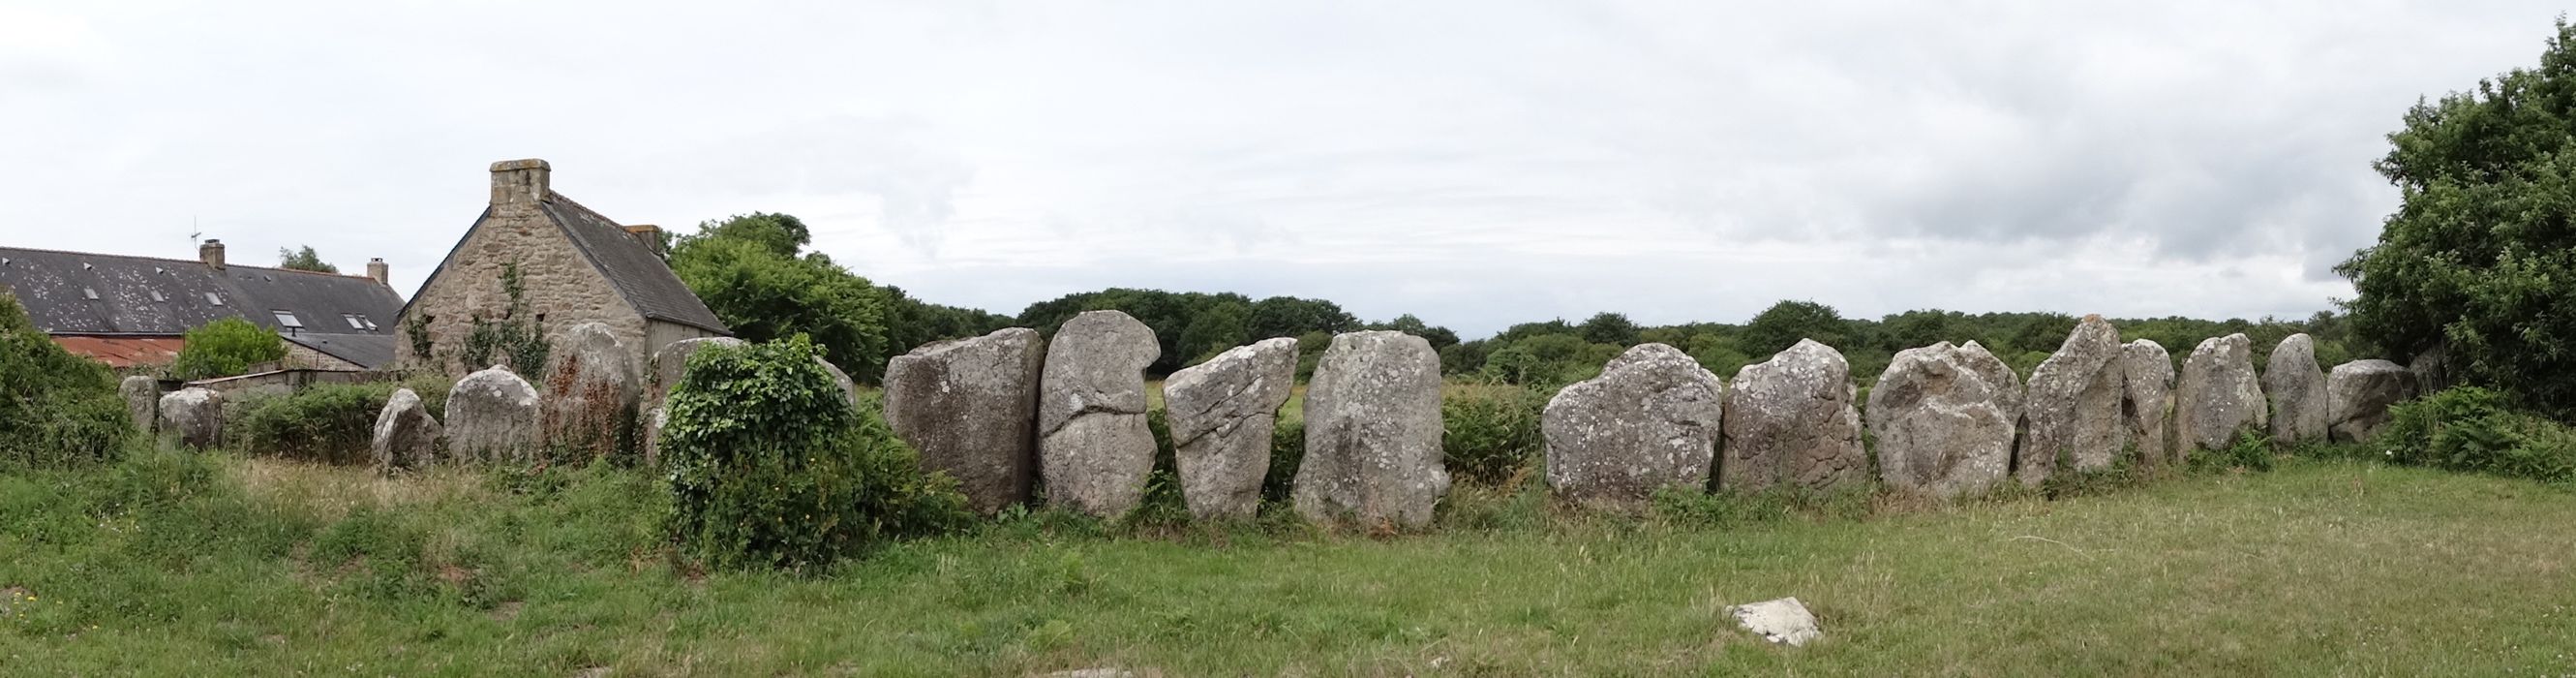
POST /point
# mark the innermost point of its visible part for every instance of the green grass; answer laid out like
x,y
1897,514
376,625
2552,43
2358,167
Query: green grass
x,y
179,565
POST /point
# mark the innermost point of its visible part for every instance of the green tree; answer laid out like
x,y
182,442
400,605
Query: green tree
x,y
1610,328
748,271
2481,253
1781,326
225,348
56,409
1219,327
304,260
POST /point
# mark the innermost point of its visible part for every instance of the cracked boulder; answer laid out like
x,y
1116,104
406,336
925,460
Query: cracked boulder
x,y
2072,405
2217,397
1943,417
1094,448
1373,433
1791,420
1649,421
492,416
405,437
2358,394
970,407
1221,413
2146,399
2297,388
193,416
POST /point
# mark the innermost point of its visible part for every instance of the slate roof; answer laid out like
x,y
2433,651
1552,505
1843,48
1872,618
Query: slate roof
x,y
369,350
643,279
81,293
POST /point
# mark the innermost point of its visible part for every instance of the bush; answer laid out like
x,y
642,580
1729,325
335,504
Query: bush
x,y
225,348
1287,448
771,466
2472,429
1492,431
56,409
328,423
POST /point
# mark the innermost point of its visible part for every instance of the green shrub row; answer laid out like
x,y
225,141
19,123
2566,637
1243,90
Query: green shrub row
x,y
325,423
2475,430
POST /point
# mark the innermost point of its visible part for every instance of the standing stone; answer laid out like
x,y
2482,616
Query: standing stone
x,y
2358,394
653,421
1792,420
2217,396
2146,399
492,416
1221,414
2072,405
1650,421
406,437
193,416
970,407
849,388
590,392
1094,448
2432,368
2298,391
1373,432
142,401
672,362
1943,416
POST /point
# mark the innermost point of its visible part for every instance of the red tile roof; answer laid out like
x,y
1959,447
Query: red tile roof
x,y
123,352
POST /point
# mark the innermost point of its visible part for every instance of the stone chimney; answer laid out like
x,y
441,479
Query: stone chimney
x,y
648,234
520,182
377,271
212,252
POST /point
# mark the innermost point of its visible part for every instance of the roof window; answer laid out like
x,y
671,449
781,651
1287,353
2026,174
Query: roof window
x,y
213,298
87,293
156,296
353,321
287,319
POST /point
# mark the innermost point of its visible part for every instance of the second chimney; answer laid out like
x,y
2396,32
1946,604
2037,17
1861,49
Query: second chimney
x,y
377,270
517,182
212,252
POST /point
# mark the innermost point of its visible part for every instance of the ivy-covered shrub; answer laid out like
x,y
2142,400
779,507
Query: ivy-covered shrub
x,y
225,348
2473,429
56,409
1492,431
328,423
770,466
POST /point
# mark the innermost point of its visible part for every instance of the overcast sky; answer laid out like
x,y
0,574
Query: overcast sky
x,y
1476,163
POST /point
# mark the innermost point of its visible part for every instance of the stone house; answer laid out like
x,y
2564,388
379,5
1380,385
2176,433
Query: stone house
x,y
132,312
574,266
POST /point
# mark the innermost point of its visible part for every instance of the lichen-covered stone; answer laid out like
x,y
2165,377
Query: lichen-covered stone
x,y
492,417
849,388
1650,421
2358,394
2072,405
1373,433
672,362
1941,417
1792,420
970,407
2297,388
1221,414
2217,396
2146,400
142,401
405,437
589,398
193,416
1094,448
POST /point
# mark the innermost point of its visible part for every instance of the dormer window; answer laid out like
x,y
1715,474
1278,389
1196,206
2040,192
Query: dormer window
x,y
287,320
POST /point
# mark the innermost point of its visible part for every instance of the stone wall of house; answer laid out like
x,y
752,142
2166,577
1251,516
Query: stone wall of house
x,y
299,356
658,333
563,289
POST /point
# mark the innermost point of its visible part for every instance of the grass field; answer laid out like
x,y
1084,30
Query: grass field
x,y
180,565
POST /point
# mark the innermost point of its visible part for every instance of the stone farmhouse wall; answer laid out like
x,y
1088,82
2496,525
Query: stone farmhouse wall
x,y
562,288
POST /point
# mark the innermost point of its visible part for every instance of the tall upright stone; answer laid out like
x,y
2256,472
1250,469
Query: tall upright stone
x,y
1221,414
405,437
2146,400
1094,449
2072,405
2217,396
970,407
672,362
492,416
2358,394
2298,391
1650,421
193,416
1373,432
1791,420
1944,418
589,391
142,401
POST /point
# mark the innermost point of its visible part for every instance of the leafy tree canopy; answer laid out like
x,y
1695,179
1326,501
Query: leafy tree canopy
x,y
225,348
304,260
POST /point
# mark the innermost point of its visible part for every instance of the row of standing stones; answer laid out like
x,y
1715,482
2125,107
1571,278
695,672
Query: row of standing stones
x,y
1004,411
